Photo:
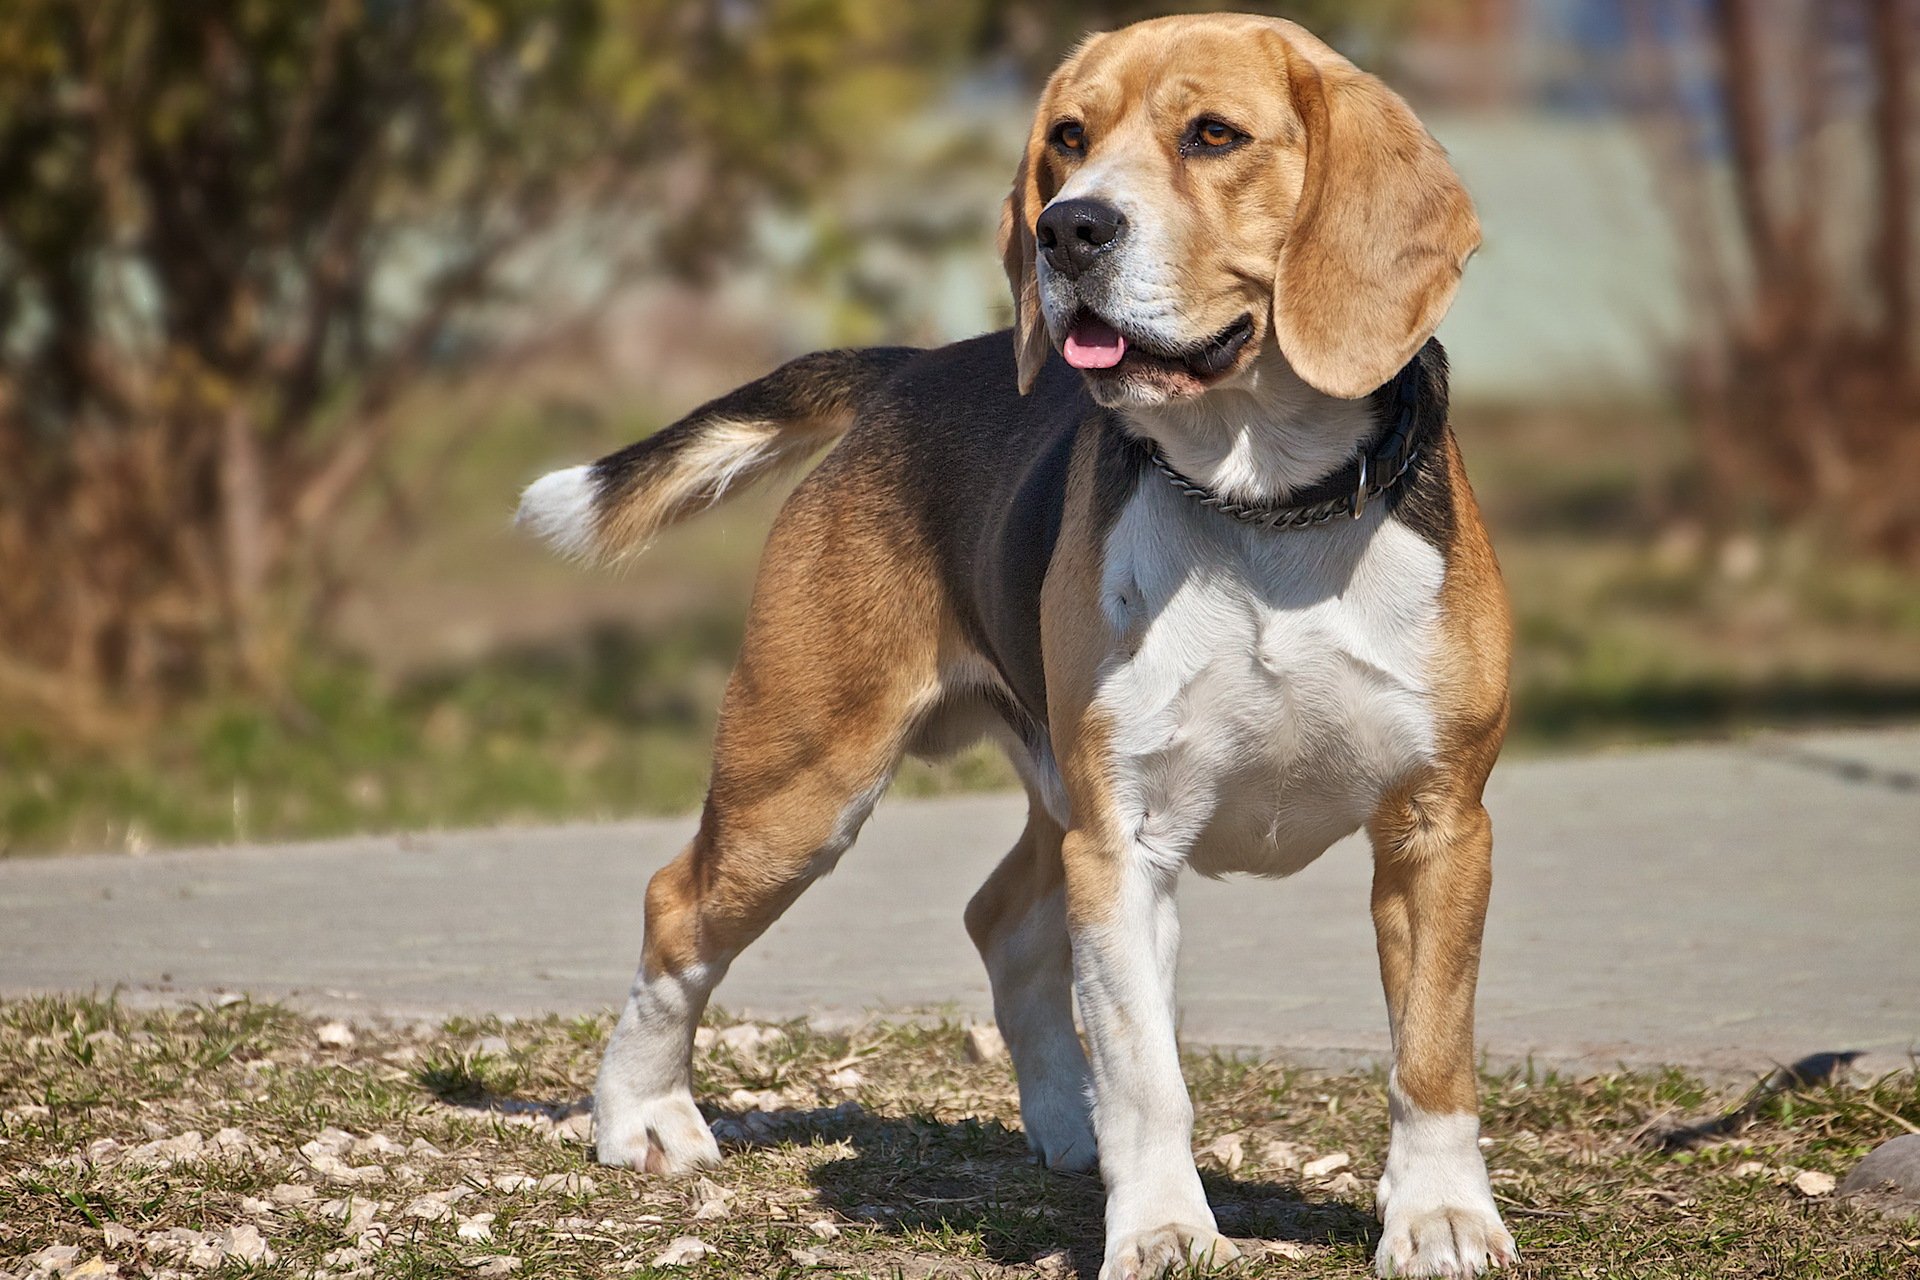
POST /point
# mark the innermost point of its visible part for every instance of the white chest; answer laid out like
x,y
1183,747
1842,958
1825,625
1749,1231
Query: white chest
x,y
1264,689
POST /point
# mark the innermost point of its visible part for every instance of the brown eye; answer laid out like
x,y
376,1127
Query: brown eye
x,y
1069,135
1208,134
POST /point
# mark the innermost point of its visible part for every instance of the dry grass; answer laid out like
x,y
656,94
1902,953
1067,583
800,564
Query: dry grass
x,y
458,1150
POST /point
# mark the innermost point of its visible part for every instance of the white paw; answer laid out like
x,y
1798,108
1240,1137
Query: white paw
x,y
657,1135
1148,1255
1060,1130
1446,1240
1067,1152
1435,1203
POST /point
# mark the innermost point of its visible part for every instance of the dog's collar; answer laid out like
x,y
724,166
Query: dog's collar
x,y
1347,491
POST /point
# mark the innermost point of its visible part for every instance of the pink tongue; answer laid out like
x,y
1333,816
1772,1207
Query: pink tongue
x,y
1094,344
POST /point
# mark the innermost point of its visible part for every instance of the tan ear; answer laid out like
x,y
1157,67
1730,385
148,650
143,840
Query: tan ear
x,y
1032,188
1031,345
1382,232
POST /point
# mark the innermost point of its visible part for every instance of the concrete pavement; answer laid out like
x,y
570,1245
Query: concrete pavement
x,y
1716,906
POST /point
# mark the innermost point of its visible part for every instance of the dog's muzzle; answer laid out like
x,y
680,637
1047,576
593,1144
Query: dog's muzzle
x,y
1075,235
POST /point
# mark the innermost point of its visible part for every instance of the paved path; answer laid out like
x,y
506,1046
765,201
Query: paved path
x,y
1717,906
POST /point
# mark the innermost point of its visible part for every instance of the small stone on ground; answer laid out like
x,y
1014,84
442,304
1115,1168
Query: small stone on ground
x,y
985,1043
1813,1183
1890,1171
683,1250
335,1035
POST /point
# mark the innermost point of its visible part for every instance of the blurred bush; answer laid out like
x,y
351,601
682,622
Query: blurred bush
x,y
233,233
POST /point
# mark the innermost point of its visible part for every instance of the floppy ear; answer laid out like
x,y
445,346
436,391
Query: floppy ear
x,y
1382,232
1017,250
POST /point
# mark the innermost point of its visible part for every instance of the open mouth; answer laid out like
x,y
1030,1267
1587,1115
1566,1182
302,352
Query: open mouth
x,y
1093,345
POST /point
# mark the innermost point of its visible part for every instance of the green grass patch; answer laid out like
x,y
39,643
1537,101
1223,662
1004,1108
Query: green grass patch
x,y
611,723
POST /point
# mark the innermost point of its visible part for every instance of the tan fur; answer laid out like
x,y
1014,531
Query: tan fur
x,y
1341,227
1073,636
838,664
728,455
1030,345
1380,235
1433,841
1031,871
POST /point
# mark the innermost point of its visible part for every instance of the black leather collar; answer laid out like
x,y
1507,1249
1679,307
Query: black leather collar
x,y
1404,432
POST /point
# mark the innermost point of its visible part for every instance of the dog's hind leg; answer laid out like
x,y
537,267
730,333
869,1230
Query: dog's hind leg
x,y
1018,920
758,847
815,718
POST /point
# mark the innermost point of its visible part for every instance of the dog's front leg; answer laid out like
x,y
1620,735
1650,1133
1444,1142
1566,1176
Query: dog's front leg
x,y
1432,874
1126,936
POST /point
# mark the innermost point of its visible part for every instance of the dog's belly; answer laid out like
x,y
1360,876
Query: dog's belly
x,y
1267,688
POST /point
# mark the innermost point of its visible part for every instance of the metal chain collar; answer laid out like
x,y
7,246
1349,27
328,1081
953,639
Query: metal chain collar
x,y
1379,469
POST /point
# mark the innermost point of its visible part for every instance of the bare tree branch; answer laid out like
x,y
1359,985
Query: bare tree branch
x,y
1894,48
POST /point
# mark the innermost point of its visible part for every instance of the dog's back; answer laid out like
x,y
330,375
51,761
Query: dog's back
x,y
941,451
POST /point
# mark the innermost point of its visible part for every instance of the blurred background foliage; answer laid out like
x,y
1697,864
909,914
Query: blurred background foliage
x,y
235,234
293,297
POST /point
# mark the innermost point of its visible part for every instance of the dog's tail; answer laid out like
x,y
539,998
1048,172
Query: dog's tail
x,y
613,507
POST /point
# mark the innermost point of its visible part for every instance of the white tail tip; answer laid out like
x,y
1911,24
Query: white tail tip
x,y
558,507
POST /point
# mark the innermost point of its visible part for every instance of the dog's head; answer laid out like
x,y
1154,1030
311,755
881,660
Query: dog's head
x,y
1198,188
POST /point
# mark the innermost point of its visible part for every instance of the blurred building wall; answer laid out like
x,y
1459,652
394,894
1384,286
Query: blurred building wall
x,y
1574,291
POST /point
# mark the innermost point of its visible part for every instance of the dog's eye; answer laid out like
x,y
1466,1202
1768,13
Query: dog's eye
x,y
1206,134
1070,135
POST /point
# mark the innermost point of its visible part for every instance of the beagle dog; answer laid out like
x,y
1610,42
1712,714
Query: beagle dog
x,y
1193,542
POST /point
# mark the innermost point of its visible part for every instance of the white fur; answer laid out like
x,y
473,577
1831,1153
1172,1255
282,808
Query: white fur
x,y
1041,772
1123,970
730,449
1435,1203
1141,292
566,508
1260,434
559,508
972,693
1271,687
853,815
1031,968
643,1109
1264,691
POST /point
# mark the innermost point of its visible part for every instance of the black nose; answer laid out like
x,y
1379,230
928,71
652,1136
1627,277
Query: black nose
x,y
1072,233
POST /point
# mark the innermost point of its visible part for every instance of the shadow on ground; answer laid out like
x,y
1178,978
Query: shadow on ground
x,y
912,1175
1672,709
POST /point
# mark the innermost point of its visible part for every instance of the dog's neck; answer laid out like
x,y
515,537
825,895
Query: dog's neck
x,y
1259,438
